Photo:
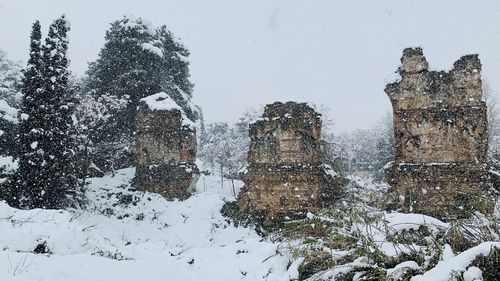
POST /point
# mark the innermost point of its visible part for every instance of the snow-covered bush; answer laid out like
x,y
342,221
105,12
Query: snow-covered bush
x,y
10,81
357,240
10,97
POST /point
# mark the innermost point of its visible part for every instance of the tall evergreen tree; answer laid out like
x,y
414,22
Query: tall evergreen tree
x,y
31,129
59,149
47,168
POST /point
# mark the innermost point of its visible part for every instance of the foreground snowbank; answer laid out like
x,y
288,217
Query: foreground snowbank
x,y
130,235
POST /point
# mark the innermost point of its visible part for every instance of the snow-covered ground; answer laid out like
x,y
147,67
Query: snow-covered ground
x,y
129,235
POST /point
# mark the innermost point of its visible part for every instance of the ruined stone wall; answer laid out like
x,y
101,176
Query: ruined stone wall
x,y
288,134
440,132
285,174
165,150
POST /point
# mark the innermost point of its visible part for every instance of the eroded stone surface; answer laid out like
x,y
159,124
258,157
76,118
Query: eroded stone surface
x,y
440,132
166,152
285,174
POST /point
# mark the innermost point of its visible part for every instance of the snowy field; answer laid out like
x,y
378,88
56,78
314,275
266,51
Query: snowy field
x,y
136,236
128,235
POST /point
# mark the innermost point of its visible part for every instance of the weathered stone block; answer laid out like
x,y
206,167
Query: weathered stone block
x,y
440,132
443,190
165,148
170,180
286,189
431,135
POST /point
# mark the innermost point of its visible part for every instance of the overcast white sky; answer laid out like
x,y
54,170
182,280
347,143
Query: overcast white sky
x,y
246,53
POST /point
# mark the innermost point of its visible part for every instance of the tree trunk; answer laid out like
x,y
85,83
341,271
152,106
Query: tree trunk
x,y
234,191
221,176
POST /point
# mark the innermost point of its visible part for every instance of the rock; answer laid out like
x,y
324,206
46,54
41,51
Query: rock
x,y
42,248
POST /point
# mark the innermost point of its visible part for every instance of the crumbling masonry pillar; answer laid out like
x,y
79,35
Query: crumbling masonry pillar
x,y
440,132
166,148
285,174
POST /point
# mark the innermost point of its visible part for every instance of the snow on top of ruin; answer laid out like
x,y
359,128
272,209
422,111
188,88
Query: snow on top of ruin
x,y
299,101
162,101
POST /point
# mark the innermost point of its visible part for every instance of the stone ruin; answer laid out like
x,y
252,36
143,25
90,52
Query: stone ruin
x,y
285,175
441,138
165,148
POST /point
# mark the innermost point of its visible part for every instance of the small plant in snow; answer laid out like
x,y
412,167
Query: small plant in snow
x,y
111,255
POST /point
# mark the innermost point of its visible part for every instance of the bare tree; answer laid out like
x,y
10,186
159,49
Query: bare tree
x,y
492,114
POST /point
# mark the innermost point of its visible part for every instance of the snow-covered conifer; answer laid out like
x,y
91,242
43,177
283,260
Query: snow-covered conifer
x,y
59,149
32,116
46,164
